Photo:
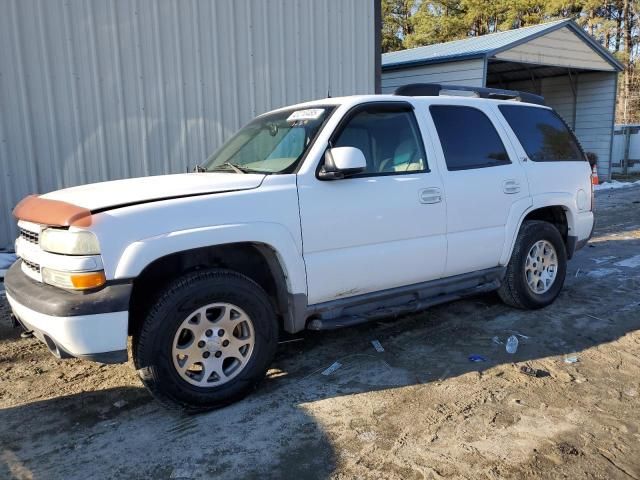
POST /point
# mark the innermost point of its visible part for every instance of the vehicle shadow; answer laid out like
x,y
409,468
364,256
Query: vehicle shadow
x,y
122,433
274,433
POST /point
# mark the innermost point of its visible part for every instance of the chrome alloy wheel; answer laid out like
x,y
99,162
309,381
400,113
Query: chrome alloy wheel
x,y
541,267
213,345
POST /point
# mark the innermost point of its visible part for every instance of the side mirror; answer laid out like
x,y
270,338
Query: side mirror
x,y
340,162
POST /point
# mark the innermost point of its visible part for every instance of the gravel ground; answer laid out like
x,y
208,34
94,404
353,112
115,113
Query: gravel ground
x,y
417,410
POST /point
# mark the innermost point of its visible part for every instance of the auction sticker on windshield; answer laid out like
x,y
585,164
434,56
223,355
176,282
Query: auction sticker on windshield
x,y
307,114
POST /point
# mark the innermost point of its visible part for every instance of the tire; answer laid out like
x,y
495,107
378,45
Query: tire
x,y
178,322
516,289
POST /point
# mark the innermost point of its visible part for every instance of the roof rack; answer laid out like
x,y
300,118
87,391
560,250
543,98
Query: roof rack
x,y
435,89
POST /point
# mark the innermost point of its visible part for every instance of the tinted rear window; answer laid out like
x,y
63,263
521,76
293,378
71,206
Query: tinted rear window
x,y
542,134
468,138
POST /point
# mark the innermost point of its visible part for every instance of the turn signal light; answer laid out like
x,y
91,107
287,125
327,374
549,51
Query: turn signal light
x,y
84,281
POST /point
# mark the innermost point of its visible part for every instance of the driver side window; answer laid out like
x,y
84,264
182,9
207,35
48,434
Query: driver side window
x,y
389,138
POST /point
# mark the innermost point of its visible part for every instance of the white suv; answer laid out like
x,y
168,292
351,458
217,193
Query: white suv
x,y
315,216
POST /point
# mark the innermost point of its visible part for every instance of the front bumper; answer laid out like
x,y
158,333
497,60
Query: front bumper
x,y
91,325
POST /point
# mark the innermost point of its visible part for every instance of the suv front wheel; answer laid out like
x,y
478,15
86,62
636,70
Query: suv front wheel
x,y
207,341
537,268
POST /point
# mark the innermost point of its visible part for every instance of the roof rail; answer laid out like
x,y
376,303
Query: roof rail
x,y
434,90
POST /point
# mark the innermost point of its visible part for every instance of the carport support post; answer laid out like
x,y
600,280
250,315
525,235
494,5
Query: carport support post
x,y
574,90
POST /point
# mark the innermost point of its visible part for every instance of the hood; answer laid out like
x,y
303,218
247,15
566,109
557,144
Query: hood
x,y
119,193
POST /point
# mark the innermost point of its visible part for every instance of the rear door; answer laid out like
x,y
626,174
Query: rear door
x,y
484,182
554,161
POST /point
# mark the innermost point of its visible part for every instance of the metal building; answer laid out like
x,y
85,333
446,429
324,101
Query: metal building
x,y
626,149
558,60
94,90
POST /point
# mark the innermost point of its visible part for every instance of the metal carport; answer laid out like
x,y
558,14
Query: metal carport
x,y
558,60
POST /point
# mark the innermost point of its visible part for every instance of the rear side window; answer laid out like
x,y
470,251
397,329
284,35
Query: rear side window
x,y
542,134
468,138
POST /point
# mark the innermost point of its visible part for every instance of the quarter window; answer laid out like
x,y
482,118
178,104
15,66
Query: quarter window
x,y
542,133
468,138
388,137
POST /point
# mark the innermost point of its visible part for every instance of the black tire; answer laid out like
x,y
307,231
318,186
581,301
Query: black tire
x,y
515,290
154,342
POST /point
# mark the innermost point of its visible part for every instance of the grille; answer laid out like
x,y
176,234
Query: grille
x,y
31,266
31,237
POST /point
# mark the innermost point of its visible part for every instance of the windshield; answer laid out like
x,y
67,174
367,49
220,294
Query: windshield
x,y
272,143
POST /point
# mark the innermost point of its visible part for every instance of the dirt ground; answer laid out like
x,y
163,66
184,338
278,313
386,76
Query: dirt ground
x,y
420,409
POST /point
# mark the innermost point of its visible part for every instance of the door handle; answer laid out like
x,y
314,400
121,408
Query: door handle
x,y
510,186
430,195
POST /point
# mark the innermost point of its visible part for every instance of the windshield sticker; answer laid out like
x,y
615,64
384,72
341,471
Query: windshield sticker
x,y
308,114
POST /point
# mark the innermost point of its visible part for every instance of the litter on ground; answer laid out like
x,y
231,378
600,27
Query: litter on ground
x,y
334,366
512,344
533,372
477,358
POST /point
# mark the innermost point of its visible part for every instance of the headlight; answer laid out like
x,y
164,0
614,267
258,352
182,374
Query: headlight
x,y
55,240
73,280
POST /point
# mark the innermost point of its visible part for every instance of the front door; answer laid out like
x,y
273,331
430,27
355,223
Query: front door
x,y
382,228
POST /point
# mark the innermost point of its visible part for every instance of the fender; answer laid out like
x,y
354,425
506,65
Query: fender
x,y
142,252
521,209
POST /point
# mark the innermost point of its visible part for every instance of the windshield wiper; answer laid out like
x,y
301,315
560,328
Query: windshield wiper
x,y
233,166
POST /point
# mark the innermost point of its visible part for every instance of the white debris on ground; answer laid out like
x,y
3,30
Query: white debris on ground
x,y
615,184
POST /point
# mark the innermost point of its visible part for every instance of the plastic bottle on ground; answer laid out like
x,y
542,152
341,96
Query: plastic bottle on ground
x,y
512,344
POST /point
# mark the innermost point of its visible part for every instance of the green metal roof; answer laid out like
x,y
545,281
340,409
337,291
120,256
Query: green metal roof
x,y
486,46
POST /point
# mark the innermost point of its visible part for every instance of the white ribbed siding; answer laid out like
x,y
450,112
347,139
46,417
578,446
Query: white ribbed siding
x,y
464,72
98,90
562,48
595,116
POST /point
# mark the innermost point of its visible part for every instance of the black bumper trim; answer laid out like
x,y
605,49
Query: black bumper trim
x,y
118,356
57,302
572,246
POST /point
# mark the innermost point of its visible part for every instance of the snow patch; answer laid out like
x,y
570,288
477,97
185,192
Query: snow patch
x,y
615,184
631,262
603,259
603,272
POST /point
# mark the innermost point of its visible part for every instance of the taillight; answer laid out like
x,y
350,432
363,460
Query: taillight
x,y
594,181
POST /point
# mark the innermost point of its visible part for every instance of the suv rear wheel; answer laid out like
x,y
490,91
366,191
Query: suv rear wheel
x,y
537,268
208,340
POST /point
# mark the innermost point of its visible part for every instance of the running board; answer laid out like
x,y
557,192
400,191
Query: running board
x,y
394,311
